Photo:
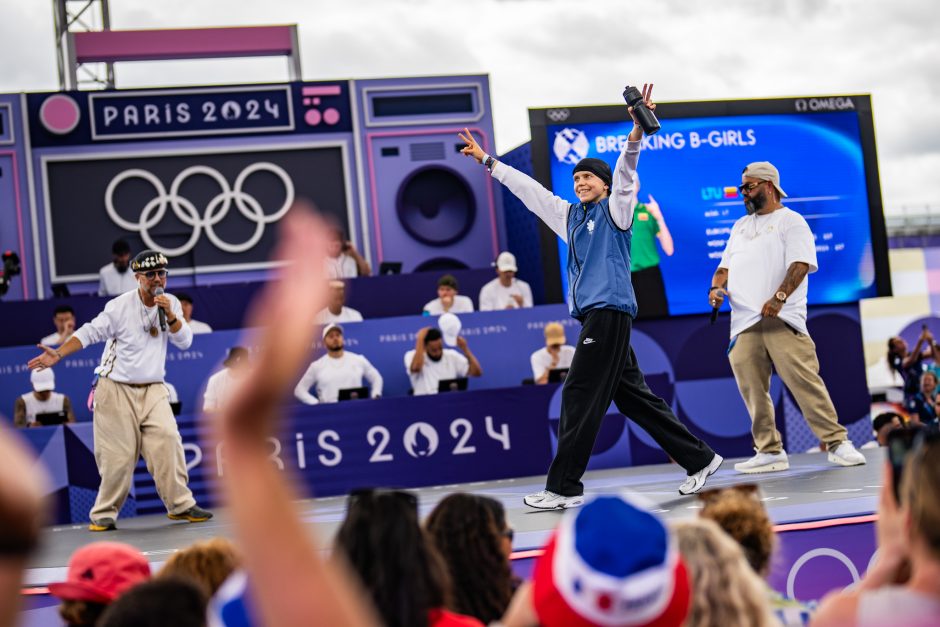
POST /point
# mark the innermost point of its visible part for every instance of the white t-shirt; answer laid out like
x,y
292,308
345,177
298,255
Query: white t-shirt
x,y
342,267
133,356
331,374
53,339
113,283
451,365
199,327
541,359
55,403
347,314
758,253
495,296
219,389
462,304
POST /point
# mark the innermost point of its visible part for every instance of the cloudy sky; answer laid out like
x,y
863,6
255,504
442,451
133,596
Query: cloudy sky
x,y
542,53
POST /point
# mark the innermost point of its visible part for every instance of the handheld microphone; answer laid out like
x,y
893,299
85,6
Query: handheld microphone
x,y
160,312
714,315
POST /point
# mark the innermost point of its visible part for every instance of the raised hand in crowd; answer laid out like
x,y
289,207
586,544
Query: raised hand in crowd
x,y
291,581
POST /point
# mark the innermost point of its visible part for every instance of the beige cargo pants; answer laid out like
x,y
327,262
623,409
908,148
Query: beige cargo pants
x,y
772,344
131,420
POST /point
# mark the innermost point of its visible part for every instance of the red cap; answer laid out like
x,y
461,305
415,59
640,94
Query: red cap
x,y
101,571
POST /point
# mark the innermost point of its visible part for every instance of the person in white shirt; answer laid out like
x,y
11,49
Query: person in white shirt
x,y
114,279
132,416
64,320
448,300
429,362
343,260
186,302
763,271
337,311
42,400
555,355
222,385
335,371
505,291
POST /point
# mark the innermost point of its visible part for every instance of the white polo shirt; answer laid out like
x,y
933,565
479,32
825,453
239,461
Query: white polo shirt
x,y
133,356
451,365
541,360
219,389
757,255
329,375
112,283
462,304
494,295
346,314
342,267
199,327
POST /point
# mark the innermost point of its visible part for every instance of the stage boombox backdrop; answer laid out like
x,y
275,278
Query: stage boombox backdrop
x,y
207,173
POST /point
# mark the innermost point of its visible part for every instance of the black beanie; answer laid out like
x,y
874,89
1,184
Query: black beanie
x,y
597,167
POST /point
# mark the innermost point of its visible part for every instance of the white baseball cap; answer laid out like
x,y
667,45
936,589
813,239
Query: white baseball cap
x,y
330,327
506,262
450,325
42,380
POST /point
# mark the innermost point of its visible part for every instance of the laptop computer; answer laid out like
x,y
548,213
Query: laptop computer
x,y
47,419
557,375
389,267
452,385
351,394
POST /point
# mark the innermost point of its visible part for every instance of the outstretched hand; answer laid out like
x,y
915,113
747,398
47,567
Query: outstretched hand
x,y
46,359
472,149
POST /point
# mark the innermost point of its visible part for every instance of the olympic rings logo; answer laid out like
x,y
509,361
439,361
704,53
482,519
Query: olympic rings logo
x,y
216,210
557,115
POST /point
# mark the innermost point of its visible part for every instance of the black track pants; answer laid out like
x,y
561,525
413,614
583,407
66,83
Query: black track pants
x,y
605,369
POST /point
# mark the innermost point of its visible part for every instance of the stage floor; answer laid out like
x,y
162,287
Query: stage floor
x,y
812,489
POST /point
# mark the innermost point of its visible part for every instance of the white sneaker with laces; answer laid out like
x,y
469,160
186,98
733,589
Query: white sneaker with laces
x,y
764,462
694,482
546,499
846,455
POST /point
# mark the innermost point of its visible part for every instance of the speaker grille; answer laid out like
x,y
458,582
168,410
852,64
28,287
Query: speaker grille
x,y
429,151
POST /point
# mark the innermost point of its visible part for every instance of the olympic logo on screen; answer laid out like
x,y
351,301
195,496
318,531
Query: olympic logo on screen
x,y
215,210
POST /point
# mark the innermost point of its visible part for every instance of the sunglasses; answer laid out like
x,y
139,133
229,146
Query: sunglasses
x,y
745,489
151,274
748,187
509,534
361,496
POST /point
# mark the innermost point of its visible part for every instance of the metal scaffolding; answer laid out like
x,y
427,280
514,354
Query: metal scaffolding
x,y
71,16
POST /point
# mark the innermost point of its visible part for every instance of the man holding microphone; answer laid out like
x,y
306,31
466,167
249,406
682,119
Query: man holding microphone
x,y
132,416
763,271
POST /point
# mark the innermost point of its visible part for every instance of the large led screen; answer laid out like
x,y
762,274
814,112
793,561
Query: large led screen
x,y
691,169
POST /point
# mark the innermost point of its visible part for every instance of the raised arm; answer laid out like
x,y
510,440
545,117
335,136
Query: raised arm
x,y
623,186
291,581
417,361
551,209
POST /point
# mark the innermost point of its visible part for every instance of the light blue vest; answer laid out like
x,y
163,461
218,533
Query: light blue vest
x,y
598,261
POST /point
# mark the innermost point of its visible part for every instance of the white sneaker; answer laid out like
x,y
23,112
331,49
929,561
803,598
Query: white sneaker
x,y
546,499
693,483
846,455
764,462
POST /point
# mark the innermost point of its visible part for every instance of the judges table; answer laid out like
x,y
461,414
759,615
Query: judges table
x,y
496,429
